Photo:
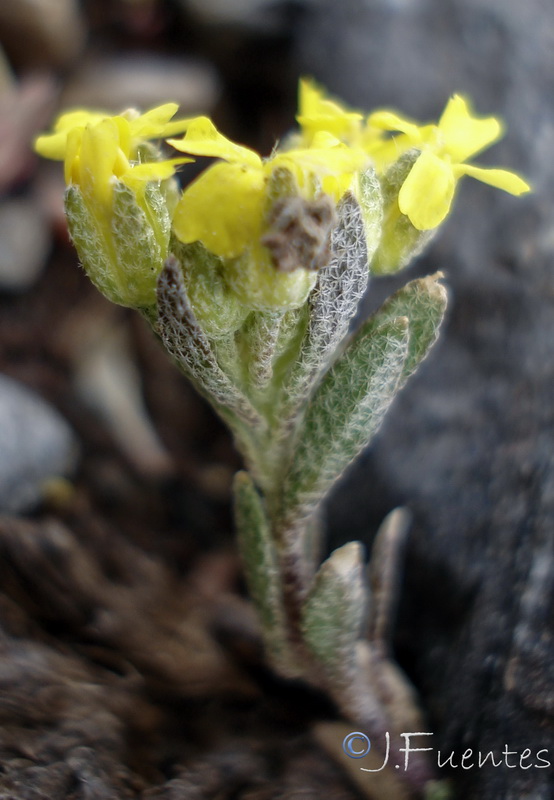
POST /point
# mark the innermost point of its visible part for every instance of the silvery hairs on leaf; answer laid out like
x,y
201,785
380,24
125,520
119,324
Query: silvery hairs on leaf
x,y
344,413
423,301
262,571
187,343
333,303
260,335
334,612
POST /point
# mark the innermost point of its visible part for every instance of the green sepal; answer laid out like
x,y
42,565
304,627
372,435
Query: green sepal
x,y
95,253
345,412
400,240
262,572
122,254
258,345
139,253
334,612
216,306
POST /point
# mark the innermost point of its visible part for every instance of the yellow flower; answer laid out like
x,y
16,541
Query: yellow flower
x,y
225,207
317,113
116,202
154,124
96,148
427,193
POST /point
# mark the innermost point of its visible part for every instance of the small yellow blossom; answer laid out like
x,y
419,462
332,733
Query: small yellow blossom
x,y
317,113
153,124
108,161
427,193
225,207
97,148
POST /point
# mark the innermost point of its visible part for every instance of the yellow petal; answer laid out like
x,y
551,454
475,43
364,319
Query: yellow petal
x,y
499,178
154,170
222,209
157,170
153,120
426,194
463,134
155,123
318,113
309,97
52,145
203,139
99,152
123,134
78,119
72,151
390,121
332,164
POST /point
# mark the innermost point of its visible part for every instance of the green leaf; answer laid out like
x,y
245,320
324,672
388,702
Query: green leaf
x,y
261,568
332,304
345,412
335,610
371,204
423,302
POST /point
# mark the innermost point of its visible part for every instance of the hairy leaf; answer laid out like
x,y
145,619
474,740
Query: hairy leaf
x,y
333,302
345,412
423,302
334,611
261,569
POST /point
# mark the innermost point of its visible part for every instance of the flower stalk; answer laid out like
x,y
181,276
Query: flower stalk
x,y
252,276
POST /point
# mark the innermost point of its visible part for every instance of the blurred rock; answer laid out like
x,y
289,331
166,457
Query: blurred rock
x,y
108,381
35,444
25,107
41,33
262,15
24,244
469,444
142,81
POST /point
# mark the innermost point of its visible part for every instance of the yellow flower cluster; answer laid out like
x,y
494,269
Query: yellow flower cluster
x,y
226,207
427,193
236,186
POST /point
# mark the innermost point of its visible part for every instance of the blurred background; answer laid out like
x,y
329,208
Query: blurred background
x,y
121,601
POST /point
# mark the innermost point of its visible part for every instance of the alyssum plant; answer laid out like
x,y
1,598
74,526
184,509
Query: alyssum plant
x,y
251,277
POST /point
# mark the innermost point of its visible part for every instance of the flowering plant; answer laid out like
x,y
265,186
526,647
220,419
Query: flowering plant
x,y
252,276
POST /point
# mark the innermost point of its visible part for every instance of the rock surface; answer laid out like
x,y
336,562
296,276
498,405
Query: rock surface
x,y
24,244
469,444
36,444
